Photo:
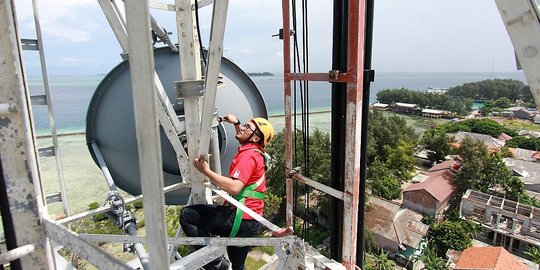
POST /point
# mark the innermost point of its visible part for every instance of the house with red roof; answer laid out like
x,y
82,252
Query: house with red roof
x,y
433,196
488,258
504,137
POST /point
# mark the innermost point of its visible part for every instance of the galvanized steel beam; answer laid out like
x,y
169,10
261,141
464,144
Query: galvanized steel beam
x,y
521,19
215,52
147,129
52,121
196,241
190,71
107,207
314,184
82,248
199,258
18,152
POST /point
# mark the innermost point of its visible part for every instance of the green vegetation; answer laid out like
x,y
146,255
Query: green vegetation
x,y
391,147
482,126
524,142
493,90
382,182
319,153
518,124
418,124
370,243
379,261
254,264
266,249
385,133
431,260
453,233
460,106
438,144
485,171
496,106
534,253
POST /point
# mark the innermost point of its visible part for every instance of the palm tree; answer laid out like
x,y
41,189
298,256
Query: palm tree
x,y
379,261
534,253
431,261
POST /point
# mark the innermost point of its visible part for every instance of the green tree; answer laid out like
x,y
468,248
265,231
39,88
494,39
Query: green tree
x,y
431,260
485,171
272,204
473,154
534,253
459,106
319,154
524,142
437,143
450,234
503,103
383,182
379,261
482,126
492,90
401,159
385,133
370,243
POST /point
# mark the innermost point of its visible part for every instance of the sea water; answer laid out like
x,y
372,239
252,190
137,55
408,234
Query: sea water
x,y
71,95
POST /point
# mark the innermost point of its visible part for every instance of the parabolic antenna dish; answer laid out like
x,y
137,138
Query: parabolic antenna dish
x,y
110,120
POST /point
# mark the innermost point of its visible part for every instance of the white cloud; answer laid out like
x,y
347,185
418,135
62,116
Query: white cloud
x,y
67,34
65,21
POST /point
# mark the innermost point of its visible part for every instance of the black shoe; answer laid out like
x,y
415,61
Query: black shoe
x,y
218,264
225,264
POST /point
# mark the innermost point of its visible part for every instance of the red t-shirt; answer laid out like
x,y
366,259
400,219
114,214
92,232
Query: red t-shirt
x,y
248,167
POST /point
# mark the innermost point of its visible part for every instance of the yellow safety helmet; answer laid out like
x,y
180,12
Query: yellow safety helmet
x,y
266,129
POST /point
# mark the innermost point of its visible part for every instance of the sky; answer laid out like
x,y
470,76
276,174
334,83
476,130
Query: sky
x,y
409,36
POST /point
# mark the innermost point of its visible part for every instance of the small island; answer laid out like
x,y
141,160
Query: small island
x,y
260,73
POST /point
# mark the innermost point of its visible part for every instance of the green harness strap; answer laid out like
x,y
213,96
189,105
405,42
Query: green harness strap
x,y
246,192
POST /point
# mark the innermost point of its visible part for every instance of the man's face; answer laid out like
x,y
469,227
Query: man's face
x,y
247,133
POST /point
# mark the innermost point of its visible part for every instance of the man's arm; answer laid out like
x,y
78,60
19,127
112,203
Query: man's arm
x,y
228,184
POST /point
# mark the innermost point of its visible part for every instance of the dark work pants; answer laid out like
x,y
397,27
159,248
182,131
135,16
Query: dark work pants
x,y
203,220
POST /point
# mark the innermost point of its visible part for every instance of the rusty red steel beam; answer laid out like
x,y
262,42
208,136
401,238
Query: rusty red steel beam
x,y
294,174
353,121
353,77
287,106
331,76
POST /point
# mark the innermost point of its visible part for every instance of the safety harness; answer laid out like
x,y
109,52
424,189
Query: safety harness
x,y
248,192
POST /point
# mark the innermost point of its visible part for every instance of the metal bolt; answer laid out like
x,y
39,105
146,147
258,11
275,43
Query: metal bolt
x,y
530,52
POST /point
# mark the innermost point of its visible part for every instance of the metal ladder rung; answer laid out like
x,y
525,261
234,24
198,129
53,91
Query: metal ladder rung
x,y
46,151
28,44
54,198
38,99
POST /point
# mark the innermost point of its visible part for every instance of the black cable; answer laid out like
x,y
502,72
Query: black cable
x,y
295,158
369,76
7,221
305,114
201,48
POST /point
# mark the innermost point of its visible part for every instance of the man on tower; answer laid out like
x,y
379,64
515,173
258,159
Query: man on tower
x,y
246,182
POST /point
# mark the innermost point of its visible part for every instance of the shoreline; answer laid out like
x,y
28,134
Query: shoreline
x,y
73,133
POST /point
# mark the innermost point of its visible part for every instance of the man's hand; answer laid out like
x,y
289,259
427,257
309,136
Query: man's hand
x,y
229,118
283,232
201,164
